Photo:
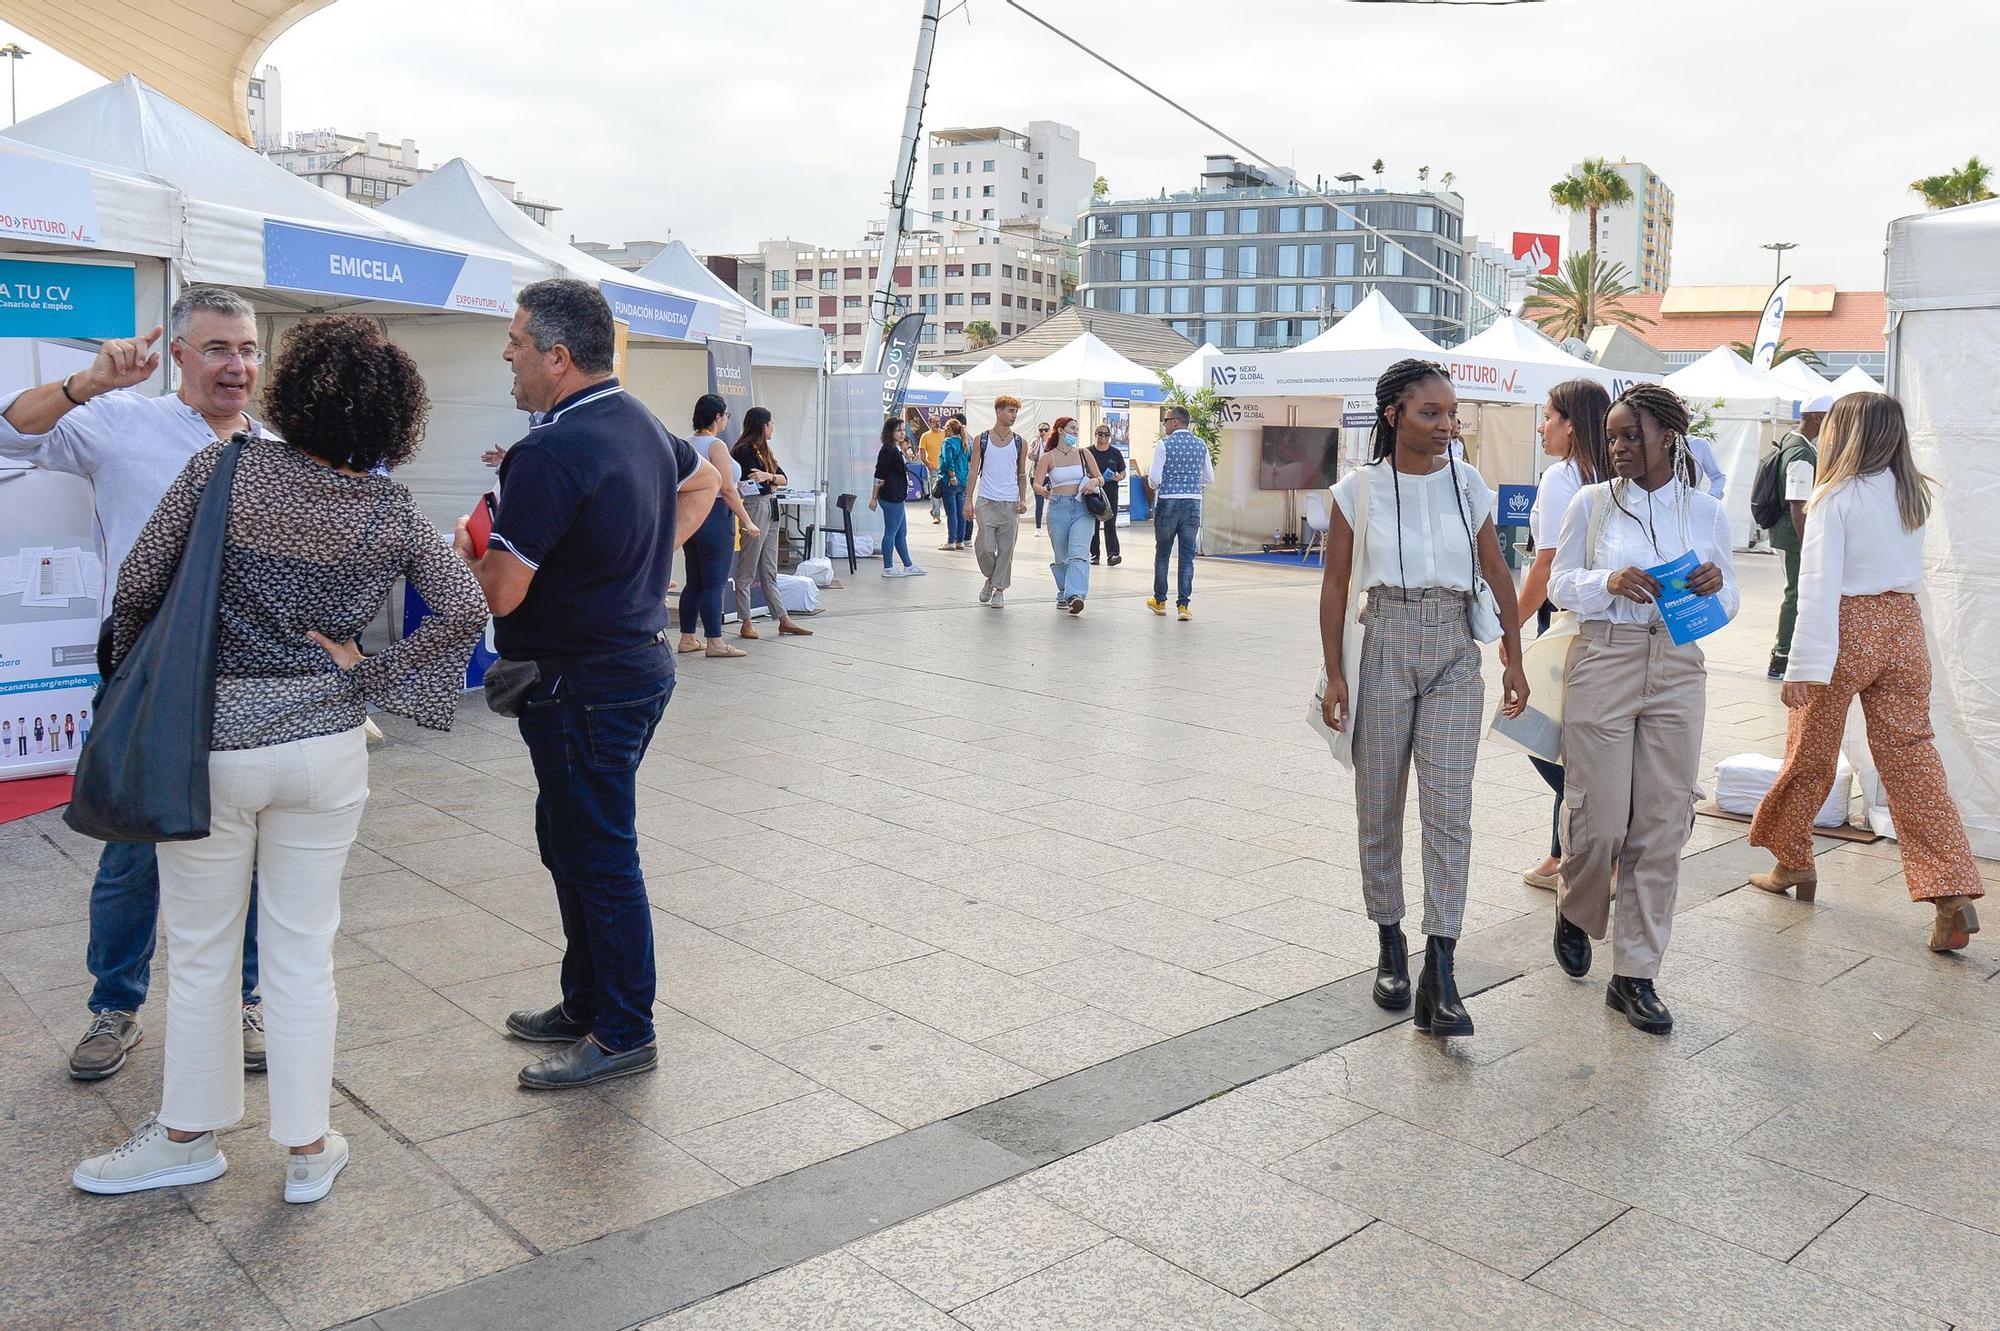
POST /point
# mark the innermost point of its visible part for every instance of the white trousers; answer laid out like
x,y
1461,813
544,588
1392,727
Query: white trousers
x,y
291,811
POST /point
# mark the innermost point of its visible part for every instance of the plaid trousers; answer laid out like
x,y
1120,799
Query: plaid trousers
x,y
1421,701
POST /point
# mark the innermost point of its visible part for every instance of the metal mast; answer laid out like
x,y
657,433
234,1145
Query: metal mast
x,y
881,306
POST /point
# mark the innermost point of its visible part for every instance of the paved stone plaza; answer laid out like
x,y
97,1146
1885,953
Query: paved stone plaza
x,y
1012,975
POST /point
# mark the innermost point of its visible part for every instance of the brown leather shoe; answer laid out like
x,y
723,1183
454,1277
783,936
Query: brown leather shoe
x,y
1956,923
795,630
747,632
1781,879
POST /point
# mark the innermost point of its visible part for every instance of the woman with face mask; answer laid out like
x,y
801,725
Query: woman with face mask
x,y
1064,474
1630,759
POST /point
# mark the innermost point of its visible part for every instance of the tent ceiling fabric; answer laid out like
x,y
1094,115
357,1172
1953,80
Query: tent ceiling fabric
x,y
199,52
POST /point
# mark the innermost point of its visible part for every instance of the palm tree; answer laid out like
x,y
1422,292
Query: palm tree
x,y
1786,352
1594,185
1583,294
1965,184
1423,174
1377,169
1446,179
980,334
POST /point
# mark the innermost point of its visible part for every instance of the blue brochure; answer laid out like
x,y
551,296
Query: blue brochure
x,y
1687,616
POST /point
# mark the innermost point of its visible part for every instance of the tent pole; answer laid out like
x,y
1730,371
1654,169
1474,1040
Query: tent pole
x,y
883,301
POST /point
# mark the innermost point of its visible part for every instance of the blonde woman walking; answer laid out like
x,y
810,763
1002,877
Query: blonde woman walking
x,y
1860,632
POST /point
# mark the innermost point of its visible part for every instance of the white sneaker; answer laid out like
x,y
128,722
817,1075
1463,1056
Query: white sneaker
x,y
892,573
914,571
310,1177
986,595
151,1159
999,600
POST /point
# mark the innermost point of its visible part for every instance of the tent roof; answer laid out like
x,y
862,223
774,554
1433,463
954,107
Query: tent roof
x,y
1724,374
1512,339
198,52
776,341
458,201
1802,376
1373,325
1945,259
1856,380
1188,373
1147,342
993,367
1086,359
136,214
229,189
929,379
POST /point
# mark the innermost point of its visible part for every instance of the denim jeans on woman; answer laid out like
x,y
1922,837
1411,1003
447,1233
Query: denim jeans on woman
x,y
957,528
710,555
1070,528
895,532
587,727
1175,522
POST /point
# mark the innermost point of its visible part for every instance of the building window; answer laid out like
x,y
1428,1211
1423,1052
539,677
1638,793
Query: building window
x,y
1426,218
982,270
1343,219
1214,300
1006,327
1308,329
927,275
954,168
985,214
850,330
985,191
1006,298
1024,196
1315,217
829,277
1128,300
1215,222
1156,224
1211,332
928,304
1288,261
1246,333
1315,261
1392,260
1185,327
1156,300
1007,271
1024,173
937,193
1128,225
1181,264
1246,222
954,298
1343,296
987,166
1287,299
1128,265
1156,265
954,270
1246,261
781,306
1183,224
1178,301
928,333
982,298
780,280
850,302
954,328
1312,297
1423,299
1246,300
937,168
1343,260
1288,219
850,275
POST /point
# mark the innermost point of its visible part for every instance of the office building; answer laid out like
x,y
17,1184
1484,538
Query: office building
x,y
1639,234
958,278
999,176
1492,272
1250,261
1844,328
267,109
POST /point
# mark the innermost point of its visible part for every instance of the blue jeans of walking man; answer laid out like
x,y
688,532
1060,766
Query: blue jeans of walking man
x,y
587,727
1175,522
124,921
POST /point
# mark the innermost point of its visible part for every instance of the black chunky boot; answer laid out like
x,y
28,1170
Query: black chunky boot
x,y
1392,969
1440,1011
1640,1003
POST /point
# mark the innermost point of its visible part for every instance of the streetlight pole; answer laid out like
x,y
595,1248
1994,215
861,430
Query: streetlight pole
x,y
14,52
1778,248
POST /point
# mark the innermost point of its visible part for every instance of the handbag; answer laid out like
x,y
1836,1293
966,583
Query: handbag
x,y
1095,504
508,684
1482,608
1545,662
1340,743
143,773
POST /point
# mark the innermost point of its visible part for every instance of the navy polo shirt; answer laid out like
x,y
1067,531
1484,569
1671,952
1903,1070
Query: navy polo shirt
x,y
588,501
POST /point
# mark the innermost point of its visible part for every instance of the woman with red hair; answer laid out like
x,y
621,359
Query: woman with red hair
x,y
1064,474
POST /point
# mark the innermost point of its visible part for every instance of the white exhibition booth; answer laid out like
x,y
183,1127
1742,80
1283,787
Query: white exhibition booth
x,y
1297,417
1083,378
1943,292
1749,409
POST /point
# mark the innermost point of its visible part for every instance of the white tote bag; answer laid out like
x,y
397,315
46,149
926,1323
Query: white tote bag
x,y
1340,743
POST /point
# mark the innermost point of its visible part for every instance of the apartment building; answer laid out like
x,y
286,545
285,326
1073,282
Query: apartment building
x,y
1250,261
1640,234
1492,272
995,175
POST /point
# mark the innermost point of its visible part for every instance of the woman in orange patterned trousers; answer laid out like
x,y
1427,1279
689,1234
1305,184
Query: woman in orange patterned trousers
x,y
1860,633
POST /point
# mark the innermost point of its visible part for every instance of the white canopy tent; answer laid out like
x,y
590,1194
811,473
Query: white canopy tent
x,y
1188,374
1802,377
928,388
1944,364
293,249
1750,408
1373,325
1855,380
1069,381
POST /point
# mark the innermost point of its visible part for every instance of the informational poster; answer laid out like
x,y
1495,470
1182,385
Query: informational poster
x,y
52,316
729,379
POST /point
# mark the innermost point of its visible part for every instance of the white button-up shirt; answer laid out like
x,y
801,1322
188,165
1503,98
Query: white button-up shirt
x,y
1646,533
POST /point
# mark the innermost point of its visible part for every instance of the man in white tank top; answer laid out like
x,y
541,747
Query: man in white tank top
x,y
999,486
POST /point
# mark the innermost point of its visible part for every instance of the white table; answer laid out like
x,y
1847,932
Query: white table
x,y
808,511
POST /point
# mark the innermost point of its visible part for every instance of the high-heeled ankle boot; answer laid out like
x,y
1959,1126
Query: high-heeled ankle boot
x,y
1440,1011
1392,969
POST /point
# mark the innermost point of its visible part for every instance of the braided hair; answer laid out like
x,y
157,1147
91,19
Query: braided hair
x,y
1670,413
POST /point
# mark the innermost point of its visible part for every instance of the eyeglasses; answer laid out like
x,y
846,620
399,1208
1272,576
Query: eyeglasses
x,y
223,355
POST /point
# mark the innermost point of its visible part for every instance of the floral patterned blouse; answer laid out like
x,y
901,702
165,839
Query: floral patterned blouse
x,y
309,548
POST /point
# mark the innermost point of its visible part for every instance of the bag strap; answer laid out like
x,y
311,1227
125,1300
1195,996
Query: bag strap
x,y
1362,483
1596,497
1465,520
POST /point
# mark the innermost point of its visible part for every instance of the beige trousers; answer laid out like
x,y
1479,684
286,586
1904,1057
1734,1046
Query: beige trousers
x,y
993,541
1633,707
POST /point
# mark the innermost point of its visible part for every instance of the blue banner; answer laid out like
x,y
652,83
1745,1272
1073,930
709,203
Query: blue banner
x,y
1136,392
306,258
51,300
1516,503
652,312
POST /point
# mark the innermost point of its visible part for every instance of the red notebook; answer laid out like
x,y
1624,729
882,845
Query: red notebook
x,y
479,525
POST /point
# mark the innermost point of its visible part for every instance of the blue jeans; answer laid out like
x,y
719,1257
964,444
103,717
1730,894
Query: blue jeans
x,y
895,532
125,916
956,528
587,727
1070,529
1175,521
710,554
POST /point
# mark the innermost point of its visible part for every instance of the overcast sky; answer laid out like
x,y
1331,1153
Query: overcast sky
x,y
726,122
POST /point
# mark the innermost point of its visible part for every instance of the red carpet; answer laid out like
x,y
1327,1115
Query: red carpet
x,y
18,799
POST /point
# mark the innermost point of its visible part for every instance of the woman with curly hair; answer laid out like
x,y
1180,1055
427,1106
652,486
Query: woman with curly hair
x,y
1630,758
317,535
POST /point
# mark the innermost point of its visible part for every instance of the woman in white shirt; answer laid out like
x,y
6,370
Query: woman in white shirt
x,y
1860,631
1421,694
1572,431
1631,757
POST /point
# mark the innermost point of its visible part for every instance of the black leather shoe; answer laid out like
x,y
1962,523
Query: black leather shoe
x,y
1392,969
549,1027
1440,1011
1641,1006
1777,670
1572,948
584,1063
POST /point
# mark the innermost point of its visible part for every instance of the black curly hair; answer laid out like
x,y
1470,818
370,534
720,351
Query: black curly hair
x,y
1390,389
341,391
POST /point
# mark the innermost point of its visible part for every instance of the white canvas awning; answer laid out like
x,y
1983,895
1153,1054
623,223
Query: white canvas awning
x,y
774,341
1077,371
1803,377
1373,325
1855,380
1743,389
1188,373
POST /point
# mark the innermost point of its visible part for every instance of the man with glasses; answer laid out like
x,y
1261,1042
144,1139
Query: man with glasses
x,y
131,446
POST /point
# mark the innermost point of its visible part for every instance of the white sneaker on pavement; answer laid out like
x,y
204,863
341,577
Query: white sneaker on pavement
x,y
914,571
892,573
310,1177
151,1159
999,600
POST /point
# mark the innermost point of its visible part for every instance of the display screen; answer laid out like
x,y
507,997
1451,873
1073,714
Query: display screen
x,y
1298,457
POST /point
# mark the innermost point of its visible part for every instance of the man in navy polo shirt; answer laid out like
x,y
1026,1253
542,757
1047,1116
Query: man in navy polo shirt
x,y
576,573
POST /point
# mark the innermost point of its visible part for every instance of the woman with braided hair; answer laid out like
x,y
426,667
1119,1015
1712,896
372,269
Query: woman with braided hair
x,y
1630,757
1427,541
